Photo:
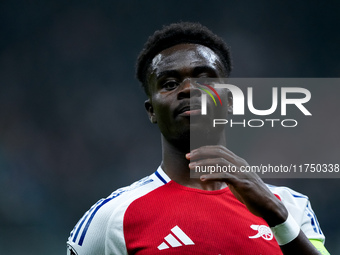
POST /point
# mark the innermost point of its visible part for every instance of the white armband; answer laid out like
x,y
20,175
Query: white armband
x,y
286,231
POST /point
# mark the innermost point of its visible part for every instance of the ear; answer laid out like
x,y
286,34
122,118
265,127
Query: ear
x,y
230,102
150,112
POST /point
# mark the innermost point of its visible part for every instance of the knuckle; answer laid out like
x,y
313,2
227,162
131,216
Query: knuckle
x,y
219,151
222,160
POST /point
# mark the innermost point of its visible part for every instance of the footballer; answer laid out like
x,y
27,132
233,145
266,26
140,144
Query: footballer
x,y
170,213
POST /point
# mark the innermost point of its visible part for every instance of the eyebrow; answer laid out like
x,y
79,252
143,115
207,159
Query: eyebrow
x,y
197,70
204,69
173,73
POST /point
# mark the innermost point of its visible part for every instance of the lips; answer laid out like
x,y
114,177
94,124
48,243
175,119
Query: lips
x,y
188,109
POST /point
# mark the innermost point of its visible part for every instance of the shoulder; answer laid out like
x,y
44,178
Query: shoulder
x,y
89,234
289,196
295,202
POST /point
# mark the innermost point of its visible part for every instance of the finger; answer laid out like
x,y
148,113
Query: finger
x,y
224,177
211,152
213,165
210,162
230,174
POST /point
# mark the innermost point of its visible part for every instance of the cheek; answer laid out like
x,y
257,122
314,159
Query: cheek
x,y
161,107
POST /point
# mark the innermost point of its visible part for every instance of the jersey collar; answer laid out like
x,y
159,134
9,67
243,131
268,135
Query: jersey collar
x,y
161,175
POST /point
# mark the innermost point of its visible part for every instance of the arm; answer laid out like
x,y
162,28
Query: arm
x,y
99,231
249,189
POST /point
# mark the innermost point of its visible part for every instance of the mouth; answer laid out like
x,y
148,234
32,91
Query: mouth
x,y
189,110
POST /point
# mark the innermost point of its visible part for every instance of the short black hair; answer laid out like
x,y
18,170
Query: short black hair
x,y
177,33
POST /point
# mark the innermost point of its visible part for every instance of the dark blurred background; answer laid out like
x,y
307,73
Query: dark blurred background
x,y
72,121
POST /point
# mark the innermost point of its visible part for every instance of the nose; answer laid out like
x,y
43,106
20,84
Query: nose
x,y
188,89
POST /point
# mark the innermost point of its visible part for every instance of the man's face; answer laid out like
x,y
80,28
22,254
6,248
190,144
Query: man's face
x,y
174,99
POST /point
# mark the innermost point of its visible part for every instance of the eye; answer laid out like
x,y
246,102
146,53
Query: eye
x,y
203,75
170,85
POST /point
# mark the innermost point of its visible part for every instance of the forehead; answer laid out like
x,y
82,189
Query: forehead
x,y
184,56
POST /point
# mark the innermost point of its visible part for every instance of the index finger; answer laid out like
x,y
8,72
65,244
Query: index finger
x,y
211,151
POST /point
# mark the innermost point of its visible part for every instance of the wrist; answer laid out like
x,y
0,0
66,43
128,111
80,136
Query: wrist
x,y
277,216
287,231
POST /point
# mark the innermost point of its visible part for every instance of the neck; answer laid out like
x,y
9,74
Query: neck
x,y
176,166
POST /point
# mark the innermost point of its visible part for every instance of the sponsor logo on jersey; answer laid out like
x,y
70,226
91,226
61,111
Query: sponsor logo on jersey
x,y
262,231
176,239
